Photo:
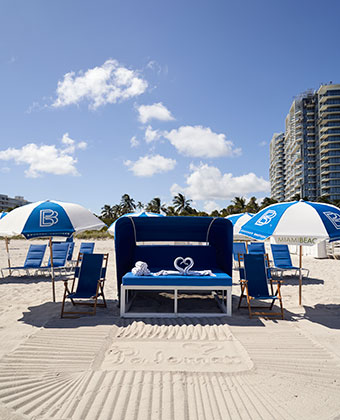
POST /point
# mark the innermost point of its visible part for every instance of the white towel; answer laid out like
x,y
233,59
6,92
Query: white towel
x,y
187,273
141,269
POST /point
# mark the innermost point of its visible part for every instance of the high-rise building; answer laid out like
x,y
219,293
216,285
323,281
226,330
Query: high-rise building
x,y
311,148
329,140
277,162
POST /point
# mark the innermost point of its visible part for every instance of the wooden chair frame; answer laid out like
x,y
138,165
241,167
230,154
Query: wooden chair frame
x,y
242,284
277,295
99,292
270,314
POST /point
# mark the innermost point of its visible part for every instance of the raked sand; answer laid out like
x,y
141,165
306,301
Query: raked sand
x,y
104,367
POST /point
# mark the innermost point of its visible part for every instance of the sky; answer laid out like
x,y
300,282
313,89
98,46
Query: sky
x,y
153,97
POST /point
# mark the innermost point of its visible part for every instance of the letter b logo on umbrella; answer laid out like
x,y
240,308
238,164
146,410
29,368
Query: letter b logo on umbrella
x,y
266,218
48,218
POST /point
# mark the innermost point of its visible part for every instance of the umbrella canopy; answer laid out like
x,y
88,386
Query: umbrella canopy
x,y
111,229
238,220
3,214
48,218
295,223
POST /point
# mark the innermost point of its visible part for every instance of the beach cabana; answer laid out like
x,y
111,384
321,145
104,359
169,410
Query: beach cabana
x,y
300,223
159,242
45,219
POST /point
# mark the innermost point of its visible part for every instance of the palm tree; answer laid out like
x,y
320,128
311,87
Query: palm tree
x,y
252,205
107,212
267,201
181,204
169,211
140,205
127,204
116,211
239,204
154,206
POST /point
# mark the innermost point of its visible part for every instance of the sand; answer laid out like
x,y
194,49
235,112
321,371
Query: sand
x,y
104,367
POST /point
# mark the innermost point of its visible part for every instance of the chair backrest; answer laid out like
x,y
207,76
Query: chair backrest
x,y
70,251
86,248
35,255
91,270
239,248
256,248
59,252
281,256
256,275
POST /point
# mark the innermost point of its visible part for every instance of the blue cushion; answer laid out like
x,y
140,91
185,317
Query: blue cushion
x,y
221,279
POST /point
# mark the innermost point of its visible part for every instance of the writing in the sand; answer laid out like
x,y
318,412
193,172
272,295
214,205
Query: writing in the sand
x,y
184,354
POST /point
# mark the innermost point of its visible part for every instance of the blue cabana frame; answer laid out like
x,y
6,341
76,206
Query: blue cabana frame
x,y
129,231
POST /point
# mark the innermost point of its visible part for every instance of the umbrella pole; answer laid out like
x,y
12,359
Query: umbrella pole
x,y
52,269
8,256
300,277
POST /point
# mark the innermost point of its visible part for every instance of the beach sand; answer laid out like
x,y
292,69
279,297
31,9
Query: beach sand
x,y
104,367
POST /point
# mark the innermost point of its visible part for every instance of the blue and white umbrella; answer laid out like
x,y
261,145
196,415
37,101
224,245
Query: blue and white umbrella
x,y
3,214
47,219
111,229
301,223
238,220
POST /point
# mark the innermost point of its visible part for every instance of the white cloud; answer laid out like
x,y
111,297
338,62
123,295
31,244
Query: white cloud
x,y
263,143
208,183
134,142
157,111
46,159
210,206
150,165
198,141
101,85
151,135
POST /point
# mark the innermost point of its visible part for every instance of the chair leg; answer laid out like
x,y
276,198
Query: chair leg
x,y
241,297
63,304
102,293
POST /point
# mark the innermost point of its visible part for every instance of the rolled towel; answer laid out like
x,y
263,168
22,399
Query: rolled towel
x,y
141,269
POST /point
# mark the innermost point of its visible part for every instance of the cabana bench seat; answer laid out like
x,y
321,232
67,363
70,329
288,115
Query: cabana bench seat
x,y
177,283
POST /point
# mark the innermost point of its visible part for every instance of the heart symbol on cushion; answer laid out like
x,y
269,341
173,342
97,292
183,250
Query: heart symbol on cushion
x,y
188,262
179,260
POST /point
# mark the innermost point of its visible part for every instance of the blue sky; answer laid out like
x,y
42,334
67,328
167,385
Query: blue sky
x,y
151,97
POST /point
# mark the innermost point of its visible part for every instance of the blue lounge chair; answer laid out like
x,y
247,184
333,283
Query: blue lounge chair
x,y
256,248
256,284
70,249
34,258
238,248
283,261
60,252
86,248
90,277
